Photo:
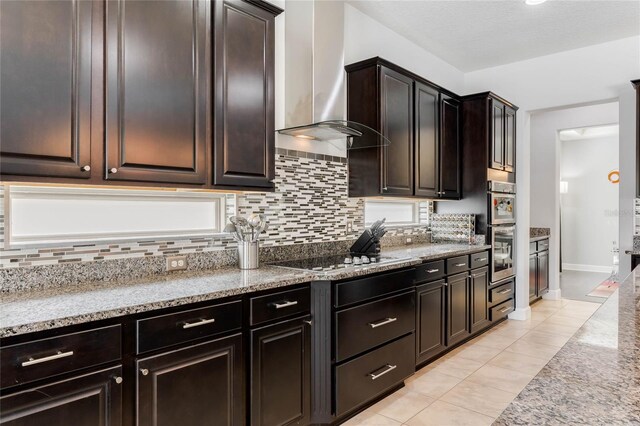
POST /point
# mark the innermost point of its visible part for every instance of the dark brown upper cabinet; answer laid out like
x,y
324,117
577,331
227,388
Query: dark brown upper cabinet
x,y
421,121
636,85
45,81
244,134
175,93
503,136
156,98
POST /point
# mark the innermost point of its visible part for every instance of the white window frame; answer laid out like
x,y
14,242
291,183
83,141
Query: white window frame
x,y
415,221
78,194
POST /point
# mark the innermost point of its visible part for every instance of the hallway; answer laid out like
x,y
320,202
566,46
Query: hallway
x,y
575,285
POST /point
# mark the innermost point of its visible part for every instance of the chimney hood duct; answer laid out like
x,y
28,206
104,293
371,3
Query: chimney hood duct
x,y
358,136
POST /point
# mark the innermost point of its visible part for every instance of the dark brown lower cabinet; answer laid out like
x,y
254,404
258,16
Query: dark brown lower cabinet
x,y
90,400
281,373
533,276
457,308
430,316
543,272
198,385
479,301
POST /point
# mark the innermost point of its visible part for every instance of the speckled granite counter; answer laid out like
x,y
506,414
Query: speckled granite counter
x,y
539,232
26,312
541,237
595,378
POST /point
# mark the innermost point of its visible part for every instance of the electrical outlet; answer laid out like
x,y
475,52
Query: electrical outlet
x,y
176,263
409,241
349,228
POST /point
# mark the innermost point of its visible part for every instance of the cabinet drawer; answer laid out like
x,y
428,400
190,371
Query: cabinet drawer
x,y
457,264
500,311
364,327
479,260
533,247
366,377
171,329
354,291
501,293
280,305
26,362
543,245
430,271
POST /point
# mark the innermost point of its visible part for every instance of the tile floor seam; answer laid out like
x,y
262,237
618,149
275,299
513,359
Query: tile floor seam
x,y
466,408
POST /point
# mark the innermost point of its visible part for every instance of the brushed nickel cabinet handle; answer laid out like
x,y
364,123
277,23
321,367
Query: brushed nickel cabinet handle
x,y
198,323
505,309
85,168
144,371
118,379
285,304
383,322
387,369
431,271
480,259
58,355
308,322
505,291
460,264
113,170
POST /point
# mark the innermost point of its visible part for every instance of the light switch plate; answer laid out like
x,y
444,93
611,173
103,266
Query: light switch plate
x,y
176,263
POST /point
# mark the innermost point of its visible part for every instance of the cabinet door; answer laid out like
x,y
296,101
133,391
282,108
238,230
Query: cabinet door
x,y
509,139
45,81
533,277
479,300
281,374
450,149
496,160
543,272
198,385
457,308
396,108
156,94
430,320
244,135
91,400
427,155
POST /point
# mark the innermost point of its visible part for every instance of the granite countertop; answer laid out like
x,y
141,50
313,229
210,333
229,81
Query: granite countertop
x,y
539,233
595,377
538,238
26,312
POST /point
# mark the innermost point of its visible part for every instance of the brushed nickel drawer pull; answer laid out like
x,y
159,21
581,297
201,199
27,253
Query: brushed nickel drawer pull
x,y
285,304
431,271
388,368
460,264
383,322
505,309
198,323
482,259
505,291
59,355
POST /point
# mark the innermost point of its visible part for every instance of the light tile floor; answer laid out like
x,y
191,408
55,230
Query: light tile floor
x,y
474,383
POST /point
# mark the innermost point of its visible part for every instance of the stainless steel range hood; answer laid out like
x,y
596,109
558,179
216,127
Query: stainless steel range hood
x,y
358,136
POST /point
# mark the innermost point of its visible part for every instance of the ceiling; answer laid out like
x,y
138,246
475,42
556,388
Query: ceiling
x,y
473,35
594,132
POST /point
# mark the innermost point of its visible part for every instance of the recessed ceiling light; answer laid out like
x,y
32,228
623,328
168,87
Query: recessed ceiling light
x,y
534,2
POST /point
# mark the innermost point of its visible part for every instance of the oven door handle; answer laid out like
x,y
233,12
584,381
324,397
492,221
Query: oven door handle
x,y
503,229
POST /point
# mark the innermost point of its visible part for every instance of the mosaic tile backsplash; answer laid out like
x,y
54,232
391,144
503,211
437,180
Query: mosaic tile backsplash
x,y
310,205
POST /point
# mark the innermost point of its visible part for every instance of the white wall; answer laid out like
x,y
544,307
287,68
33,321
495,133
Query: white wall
x,y
580,76
590,207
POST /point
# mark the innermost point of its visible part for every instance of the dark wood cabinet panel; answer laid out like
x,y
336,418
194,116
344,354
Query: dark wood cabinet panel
x,y
430,320
533,277
90,400
45,81
479,299
636,85
497,135
457,308
198,385
509,139
156,91
396,107
244,135
450,149
427,134
281,373
543,272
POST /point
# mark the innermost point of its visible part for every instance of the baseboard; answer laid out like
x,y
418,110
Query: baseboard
x,y
586,268
521,314
552,295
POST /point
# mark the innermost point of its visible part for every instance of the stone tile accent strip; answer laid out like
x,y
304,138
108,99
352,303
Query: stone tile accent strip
x,y
539,232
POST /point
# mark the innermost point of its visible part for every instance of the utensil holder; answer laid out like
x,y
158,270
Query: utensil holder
x,y
248,254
